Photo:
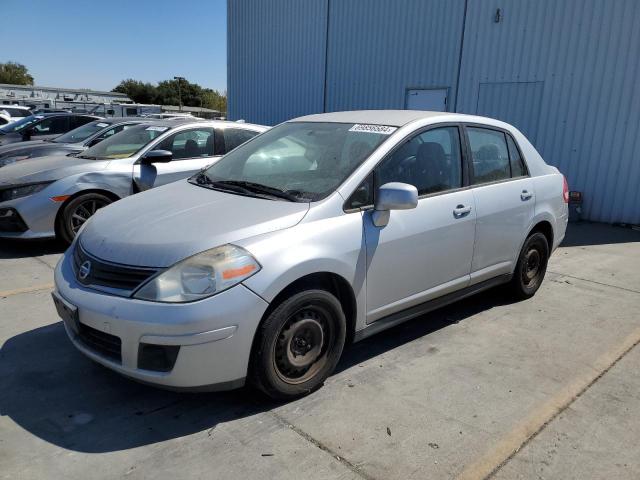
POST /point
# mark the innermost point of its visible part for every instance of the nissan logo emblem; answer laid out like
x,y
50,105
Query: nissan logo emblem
x,y
85,270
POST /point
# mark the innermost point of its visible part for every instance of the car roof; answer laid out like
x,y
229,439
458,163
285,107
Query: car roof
x,y
395,118
59,114
173,123
15,106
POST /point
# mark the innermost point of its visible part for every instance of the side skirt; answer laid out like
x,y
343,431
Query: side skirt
x,y
408,314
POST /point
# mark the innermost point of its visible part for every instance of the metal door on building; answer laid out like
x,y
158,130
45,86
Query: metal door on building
x,y
433,99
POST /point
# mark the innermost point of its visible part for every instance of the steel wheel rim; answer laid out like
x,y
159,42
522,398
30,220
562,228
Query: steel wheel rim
x,y
303,343
83,212
532,266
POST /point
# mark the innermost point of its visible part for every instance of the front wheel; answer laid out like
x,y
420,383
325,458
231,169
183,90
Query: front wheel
x,y
531,266
77,212
298,345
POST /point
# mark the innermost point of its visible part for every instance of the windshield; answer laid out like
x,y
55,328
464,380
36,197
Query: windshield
x,y
20,124
307,160
125,143
81,133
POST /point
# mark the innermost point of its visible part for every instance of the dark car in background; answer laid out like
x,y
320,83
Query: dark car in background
x,y
73,141
42,127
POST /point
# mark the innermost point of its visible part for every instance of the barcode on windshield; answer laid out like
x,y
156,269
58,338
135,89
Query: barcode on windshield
x,y
381,129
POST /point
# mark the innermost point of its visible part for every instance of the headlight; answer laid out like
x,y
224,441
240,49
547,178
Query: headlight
x,y
18,191
200,276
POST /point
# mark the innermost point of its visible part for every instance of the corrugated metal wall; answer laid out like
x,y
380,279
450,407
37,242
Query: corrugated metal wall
x,y
275,59
378,49
587,53
564,71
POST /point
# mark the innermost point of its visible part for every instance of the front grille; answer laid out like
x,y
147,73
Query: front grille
x,y
111,275
102,343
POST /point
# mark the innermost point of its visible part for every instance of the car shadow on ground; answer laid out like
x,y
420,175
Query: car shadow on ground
x,y
583,234
11,249
52,391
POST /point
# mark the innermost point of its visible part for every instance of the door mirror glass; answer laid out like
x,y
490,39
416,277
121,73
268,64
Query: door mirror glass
x,y
157,156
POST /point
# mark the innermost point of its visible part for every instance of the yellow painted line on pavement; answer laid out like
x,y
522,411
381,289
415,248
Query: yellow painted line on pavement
x,y
492,460
18,291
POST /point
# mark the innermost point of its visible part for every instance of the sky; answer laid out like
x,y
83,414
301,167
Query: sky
x,y
95,45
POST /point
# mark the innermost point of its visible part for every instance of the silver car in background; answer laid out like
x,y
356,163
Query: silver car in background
x,y
54,195
73,141
325,229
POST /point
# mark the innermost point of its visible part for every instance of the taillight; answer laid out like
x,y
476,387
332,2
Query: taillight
x,y
565,190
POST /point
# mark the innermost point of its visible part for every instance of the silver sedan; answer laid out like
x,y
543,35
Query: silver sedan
x,y
54,195
324,229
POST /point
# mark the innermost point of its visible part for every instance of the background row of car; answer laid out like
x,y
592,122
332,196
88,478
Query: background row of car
x,y
50,188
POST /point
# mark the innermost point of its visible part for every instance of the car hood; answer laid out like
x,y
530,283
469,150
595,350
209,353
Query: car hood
x,y
19,152
49,168
13,146
164,225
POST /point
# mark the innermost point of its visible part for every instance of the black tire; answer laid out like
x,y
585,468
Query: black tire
x,y
78,211
298,345
531,266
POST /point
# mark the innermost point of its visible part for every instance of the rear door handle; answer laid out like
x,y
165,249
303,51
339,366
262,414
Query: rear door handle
x,y
461,211
525,195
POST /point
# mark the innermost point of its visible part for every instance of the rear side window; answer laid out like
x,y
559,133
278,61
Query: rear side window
x,y
518,168
489,155
234,137
79,121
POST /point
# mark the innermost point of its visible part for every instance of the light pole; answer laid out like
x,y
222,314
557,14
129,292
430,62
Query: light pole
x,y
179,91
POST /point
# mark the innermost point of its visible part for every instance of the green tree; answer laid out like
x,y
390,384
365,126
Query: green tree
x,y
15,74
138,91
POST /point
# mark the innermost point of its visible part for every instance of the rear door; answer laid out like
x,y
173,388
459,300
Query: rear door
x,y
504,199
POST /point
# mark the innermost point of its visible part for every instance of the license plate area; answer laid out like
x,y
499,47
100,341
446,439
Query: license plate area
x,y
67,312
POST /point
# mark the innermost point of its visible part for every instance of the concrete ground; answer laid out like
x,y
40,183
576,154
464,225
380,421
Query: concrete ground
x,y
545,388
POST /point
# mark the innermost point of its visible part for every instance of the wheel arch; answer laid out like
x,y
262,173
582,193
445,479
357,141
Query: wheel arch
x,y
114,197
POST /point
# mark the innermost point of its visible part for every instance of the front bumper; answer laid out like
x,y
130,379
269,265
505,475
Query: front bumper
x,y
215,335
38,213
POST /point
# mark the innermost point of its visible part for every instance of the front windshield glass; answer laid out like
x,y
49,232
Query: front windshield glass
x,y
124,144
81,133
20,124
305,160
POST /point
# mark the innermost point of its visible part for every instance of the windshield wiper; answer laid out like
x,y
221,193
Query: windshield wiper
x,y
258,188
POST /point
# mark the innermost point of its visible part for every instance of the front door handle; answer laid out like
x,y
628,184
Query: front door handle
x,y
525,195
461,211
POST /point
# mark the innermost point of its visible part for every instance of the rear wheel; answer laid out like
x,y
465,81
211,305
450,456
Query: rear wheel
x,y
531,266
77,212
298,345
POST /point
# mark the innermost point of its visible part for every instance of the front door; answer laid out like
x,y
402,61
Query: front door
x,y
425,252
192,150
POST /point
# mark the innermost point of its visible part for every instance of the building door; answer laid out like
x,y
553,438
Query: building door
x,y
433,99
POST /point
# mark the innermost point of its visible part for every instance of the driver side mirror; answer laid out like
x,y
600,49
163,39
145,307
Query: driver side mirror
x,y
28,133
156,156
393,196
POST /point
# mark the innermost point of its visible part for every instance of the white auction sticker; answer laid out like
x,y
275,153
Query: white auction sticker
x,y
381,129
102,125
156,129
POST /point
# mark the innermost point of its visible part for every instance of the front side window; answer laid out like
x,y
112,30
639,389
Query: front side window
x,y
305,160
124,144
489,155
51,126
189,144
431,161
